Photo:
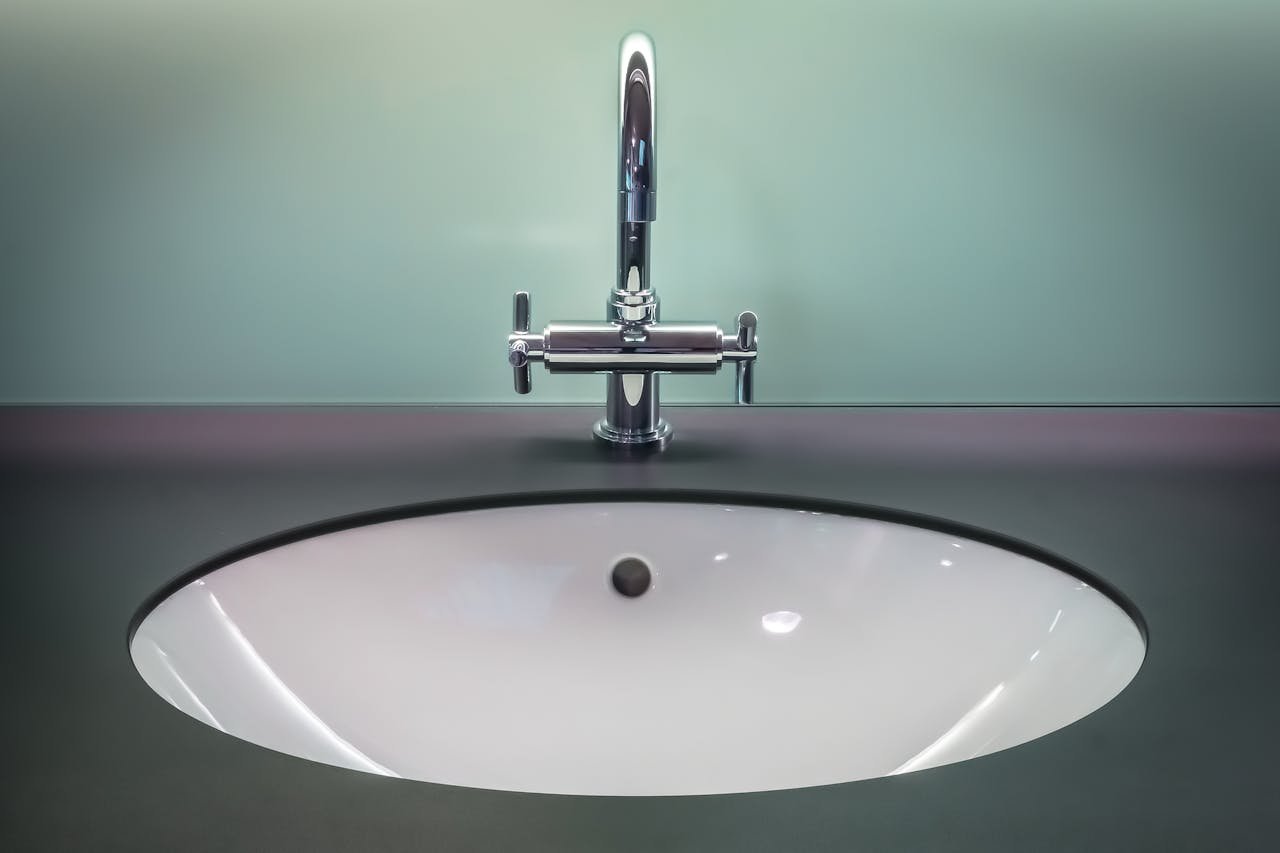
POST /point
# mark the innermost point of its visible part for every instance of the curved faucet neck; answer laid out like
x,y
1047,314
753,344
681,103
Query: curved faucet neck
x,y
637,170
633,301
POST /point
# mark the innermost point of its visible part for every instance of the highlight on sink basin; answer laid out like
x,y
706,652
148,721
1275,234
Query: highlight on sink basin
x,y
623,647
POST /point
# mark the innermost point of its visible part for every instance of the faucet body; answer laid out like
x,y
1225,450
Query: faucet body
x,y
632,347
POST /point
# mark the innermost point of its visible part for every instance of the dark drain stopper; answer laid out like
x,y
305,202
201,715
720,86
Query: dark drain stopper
x,y
632,577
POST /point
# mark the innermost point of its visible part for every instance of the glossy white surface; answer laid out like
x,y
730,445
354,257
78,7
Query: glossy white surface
x,y
775,649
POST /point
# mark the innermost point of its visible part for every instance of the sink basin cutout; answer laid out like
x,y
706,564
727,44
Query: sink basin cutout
x,y
770,646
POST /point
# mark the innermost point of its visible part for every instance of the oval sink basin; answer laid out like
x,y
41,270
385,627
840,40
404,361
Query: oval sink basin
x,y
757,648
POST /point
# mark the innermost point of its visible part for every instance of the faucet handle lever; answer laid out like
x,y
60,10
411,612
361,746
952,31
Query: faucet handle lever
x,y
747,322
520,302
744,388
518,351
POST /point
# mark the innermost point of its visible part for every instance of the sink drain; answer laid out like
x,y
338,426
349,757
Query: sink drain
x,y
632,577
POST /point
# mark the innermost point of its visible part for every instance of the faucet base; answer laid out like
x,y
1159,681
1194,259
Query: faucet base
x,y
632,421
631,440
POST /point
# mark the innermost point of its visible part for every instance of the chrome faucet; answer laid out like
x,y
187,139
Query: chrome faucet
x,y
632,347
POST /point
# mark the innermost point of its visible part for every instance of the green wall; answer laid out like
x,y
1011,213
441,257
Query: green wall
x,y
925,202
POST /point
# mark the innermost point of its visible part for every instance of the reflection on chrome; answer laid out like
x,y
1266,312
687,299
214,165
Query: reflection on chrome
x,y
721,557
925,758
291,699
1034,655
1054,623
946,562
780,621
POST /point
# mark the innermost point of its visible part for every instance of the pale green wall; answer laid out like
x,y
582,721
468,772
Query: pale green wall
x,y
989,201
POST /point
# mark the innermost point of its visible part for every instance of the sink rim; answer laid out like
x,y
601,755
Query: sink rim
x,y
766,500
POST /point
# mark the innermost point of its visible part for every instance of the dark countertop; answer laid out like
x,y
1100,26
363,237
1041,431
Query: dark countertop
x,y
1179,509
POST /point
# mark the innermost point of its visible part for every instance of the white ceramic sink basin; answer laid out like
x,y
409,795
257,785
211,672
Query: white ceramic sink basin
x,y
774,648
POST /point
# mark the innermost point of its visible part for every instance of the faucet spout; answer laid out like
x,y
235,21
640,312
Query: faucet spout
x,y
633,301
637,172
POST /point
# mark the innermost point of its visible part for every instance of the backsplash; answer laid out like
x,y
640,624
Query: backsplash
x,y
933,202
